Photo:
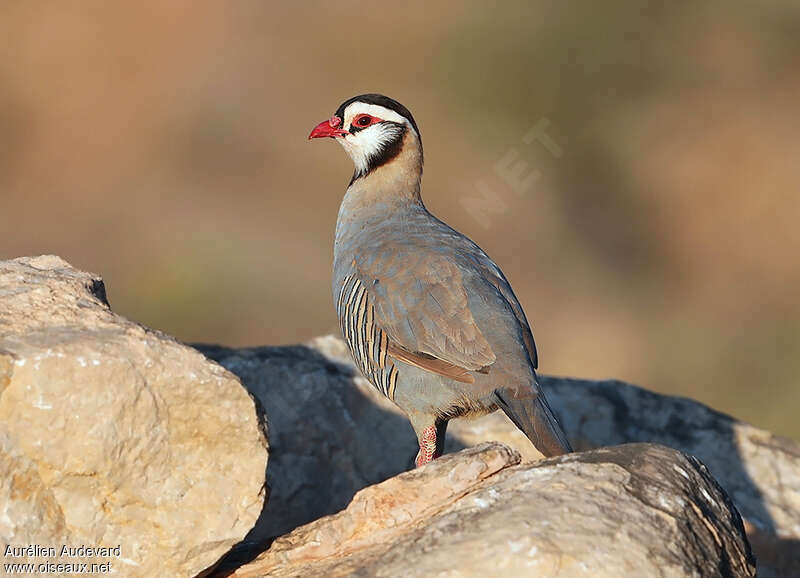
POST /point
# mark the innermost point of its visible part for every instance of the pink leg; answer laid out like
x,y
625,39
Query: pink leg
x,y
427,446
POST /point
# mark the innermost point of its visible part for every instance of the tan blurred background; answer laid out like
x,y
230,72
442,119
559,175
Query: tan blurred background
x,y
163,145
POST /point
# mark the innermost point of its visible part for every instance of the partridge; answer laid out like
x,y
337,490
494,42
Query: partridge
x,y
429,318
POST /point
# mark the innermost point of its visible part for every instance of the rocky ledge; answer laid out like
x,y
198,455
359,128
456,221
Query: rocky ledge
x,y
630,510
116,435
112,434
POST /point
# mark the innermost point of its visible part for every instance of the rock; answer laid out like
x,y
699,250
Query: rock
x,y
631,510
333,434
759,470
329,435
115,435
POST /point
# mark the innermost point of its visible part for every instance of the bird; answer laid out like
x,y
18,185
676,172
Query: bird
x,y
429,318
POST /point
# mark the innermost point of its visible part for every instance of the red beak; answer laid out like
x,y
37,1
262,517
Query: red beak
x,y
328,128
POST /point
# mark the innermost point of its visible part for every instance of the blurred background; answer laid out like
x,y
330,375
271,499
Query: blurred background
x,y
163,146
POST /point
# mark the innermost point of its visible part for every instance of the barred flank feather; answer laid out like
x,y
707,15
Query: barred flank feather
x,y
368,344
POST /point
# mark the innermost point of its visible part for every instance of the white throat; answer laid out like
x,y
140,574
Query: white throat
x,y
365,145
369,143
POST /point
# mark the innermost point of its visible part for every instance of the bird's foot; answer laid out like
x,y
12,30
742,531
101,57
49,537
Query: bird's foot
x,y
427,447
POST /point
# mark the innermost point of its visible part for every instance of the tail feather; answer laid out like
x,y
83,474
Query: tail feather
x,y
532,414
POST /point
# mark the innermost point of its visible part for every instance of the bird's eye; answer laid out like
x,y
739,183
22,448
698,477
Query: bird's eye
x,y
363,120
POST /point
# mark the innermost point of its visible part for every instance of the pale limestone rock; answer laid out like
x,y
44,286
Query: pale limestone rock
x,y
632,510
336,435
759,470
113,434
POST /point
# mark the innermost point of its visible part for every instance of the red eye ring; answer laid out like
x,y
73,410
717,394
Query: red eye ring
x,y
364,120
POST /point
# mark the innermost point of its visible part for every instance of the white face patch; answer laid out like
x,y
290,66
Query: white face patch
x,y
369,142
377,110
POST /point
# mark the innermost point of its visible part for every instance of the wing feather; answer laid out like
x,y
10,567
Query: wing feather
x,y
423,308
